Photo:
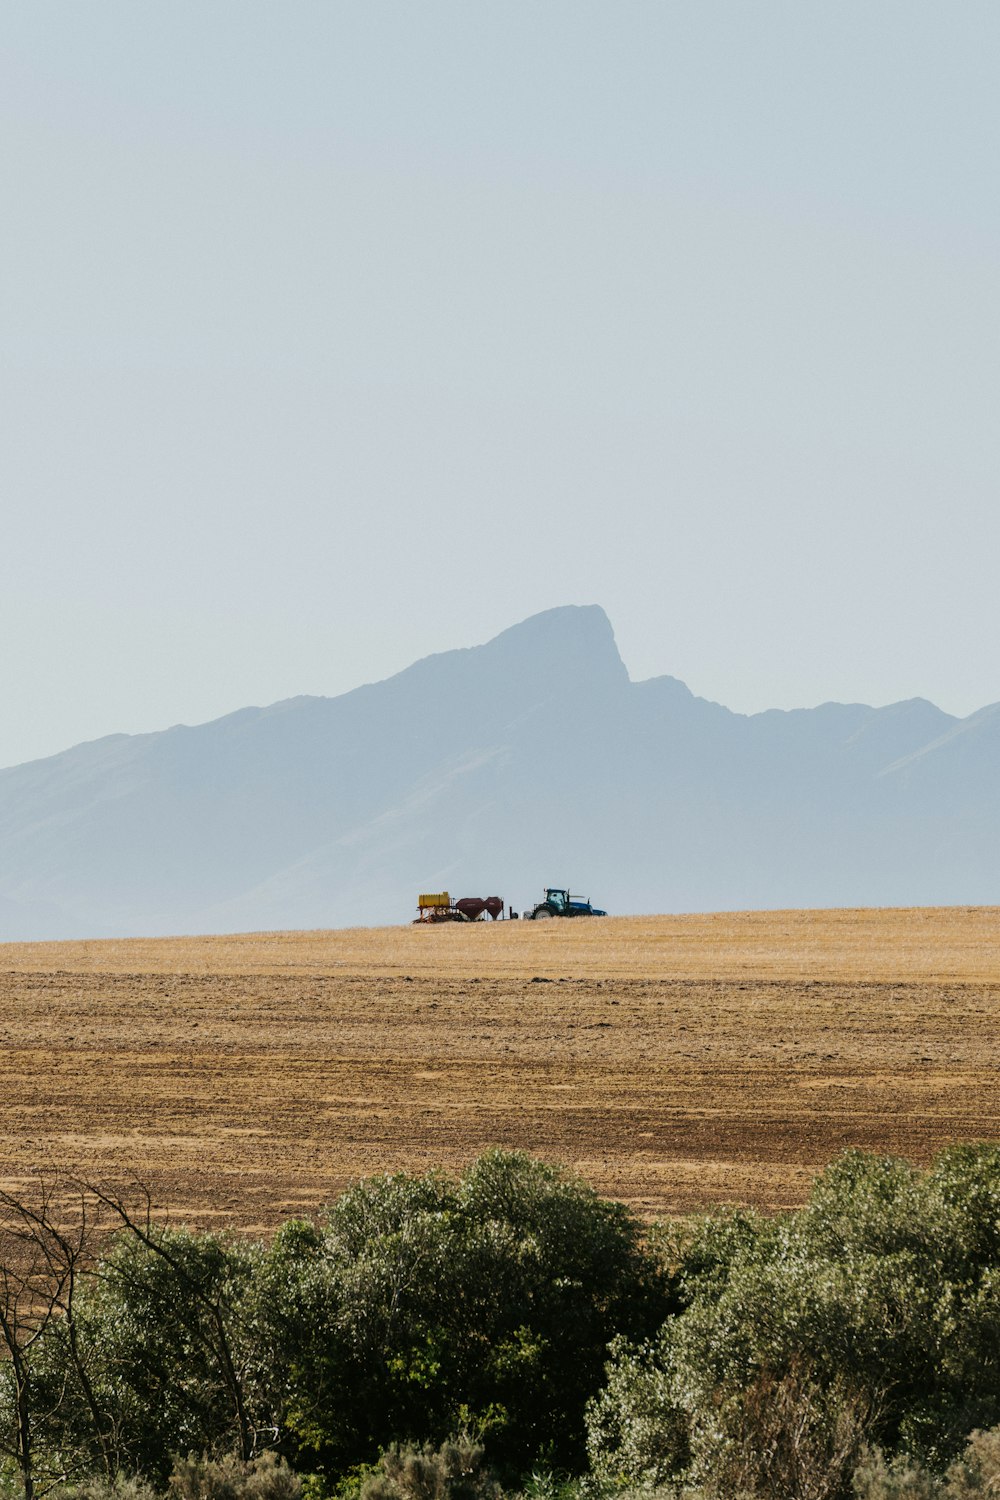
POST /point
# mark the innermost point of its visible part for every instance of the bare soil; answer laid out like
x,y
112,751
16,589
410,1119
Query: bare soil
x,y
676,1062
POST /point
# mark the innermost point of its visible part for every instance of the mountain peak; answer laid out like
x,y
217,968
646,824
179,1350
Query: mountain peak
x,y
555,652
565,622
576,637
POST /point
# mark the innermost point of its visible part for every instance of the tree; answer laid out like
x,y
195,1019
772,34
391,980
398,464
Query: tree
x,y
164,1318
424,1304
46,1251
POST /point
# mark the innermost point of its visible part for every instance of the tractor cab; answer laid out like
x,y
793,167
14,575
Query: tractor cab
x,y
557,900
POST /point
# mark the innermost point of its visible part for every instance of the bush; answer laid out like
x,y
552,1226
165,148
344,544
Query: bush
x,y
882,1293
226,1478
748,1356
901,1478
422,1305
455,1471
786,1439
173,1357
974,1475
98,1487
638,1430
977,1472
232,1478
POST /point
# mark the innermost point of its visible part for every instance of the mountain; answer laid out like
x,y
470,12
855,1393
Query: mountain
x,y
498,769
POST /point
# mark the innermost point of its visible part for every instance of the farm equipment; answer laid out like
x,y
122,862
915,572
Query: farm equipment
x,y
439,907
559,903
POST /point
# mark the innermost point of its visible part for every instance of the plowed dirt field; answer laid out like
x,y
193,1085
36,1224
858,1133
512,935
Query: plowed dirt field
x,y
676,1062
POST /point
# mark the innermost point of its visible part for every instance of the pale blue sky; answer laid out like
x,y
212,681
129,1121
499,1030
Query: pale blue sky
x,y
336,334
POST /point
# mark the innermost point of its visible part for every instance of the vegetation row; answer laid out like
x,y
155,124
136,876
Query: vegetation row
x,y
508,1330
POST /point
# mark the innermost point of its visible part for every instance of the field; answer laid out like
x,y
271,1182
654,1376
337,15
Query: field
x,y
676,1062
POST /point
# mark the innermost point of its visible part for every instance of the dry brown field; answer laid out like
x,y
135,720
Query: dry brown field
x,y
676,1062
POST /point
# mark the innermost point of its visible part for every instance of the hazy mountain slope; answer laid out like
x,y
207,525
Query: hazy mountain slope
x,y
532,758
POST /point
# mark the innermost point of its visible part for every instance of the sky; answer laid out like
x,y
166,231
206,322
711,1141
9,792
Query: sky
x,y
335,334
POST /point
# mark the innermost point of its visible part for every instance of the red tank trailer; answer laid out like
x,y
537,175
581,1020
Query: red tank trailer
x,y
439,907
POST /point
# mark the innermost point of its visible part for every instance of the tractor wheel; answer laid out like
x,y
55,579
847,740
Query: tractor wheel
x,y
542,911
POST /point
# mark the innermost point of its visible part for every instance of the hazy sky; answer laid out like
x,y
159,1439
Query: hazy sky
x,y
336,334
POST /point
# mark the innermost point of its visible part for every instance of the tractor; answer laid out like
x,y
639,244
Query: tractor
x,y
561,904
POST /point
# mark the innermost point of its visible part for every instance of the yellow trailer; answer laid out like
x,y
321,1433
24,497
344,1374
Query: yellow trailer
x,y
437,907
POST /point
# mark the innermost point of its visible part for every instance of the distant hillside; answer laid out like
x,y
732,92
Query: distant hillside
x,y
529,760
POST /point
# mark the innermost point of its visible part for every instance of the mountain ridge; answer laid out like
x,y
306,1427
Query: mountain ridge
x,y
527,759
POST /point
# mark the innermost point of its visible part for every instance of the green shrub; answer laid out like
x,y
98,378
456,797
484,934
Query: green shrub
x,y
174,1357
883,1292
749,1356
226,1478
99,1487
455,1471
974,1475
168,1360
421,1305
546,1484
638,1427
230,1478
900,1478
977,1472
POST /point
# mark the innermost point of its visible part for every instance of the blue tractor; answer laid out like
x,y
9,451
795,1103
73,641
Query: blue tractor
x,y
562,904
